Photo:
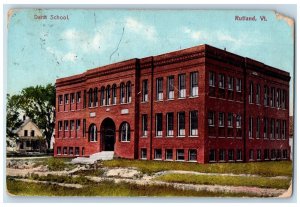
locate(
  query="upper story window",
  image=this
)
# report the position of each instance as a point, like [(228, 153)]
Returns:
[(107, 94), (66, 125), (122, 93), (230, 120), (222, 81), (251, 93), (170, 124), (277, 135), (95, 97), (257, 94), (250, 127), (181, 85), (145, 90), (265, 128), (125, 132), (194, 84), (266, 95), (128, 92), (78, 97), (83, 127), (284, 99), (93, 133), (238, 85), (90, 97), (238, 121), (72, 98), (258, 127), (102, 96), (211, 118), (66, 98), (78, 124), (212, 79), (193, 123), (144, 125), (158, 125), (159, 89), (170, 87), (114, 94), (84, 99), (59, 125), (181, 123), (278, 98), (272, 98), (60, 99), (230, 83), (221, 119), (72, 125), (283, 129), (25, 133)]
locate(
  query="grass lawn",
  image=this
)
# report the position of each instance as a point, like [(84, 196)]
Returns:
[(108, 188), (262, 182), (56, 164), (260, 168)]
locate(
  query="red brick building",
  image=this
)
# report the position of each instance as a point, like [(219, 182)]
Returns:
[(199, 104)]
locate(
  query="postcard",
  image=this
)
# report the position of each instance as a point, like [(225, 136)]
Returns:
[(168, 103)]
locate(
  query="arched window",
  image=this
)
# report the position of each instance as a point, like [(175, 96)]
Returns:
[(102, 98), (122, 93), (107, 95), (128, 92), (125, 132), (114, 94), (95, 97), (93, 133), (91, 97)]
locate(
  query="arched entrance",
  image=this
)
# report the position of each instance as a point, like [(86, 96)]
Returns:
[(108, 134)]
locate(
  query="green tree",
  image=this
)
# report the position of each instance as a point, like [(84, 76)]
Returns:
[(13, 121), (38, 103)]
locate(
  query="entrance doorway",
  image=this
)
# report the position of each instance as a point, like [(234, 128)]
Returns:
[(108, 134)]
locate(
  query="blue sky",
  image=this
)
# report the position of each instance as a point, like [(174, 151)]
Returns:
[(40, 51)]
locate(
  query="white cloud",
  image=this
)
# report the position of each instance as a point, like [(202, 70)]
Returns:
[(195, 35), (59, 56), (138, 27), (69, 57)]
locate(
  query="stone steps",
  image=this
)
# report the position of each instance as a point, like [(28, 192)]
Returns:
[(104, 155)]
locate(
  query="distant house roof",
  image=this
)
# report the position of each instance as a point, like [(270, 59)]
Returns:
[(291, 128), (24, 124)]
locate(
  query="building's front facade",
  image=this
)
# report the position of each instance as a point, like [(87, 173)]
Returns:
[(200, 104)]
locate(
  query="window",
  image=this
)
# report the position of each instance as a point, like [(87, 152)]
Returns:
[(158, 124), (277, 98), (59, 125), (283, 99), (266, 154), (211, 118), (192, 155), (159, 89), (170, 124), (284, 154), (143, 154), (70, 150), (273, 154), (122, 93), (212, 155), (171, 87), (93, 133), (66, 125), (25, 133), (83, 151), (211, 79), (60, 99), (180, 154), (66, 98), (78, 124), (221, 119), (239, 155), (181, 124), (65, 151), (251, 93), (251, 154), (272, 98), (194, 84), (238, 85), (145, 90), (230, 120), (95, 97), (58, 150), (283, 129), (77, 151), (107, 95), (72, 125), (222, 81), (102, 96), (238, 121), (277, 134), (181, 85), (72, 98), (266, 96), (265, 128), (90, 97), (169, 154), (250, 127), (272, 134), (258, 156), (257, 128), (128, 92), (144, 125), (114, 94), (222, 155), (125, 132), (157, 154), (231, 155), (278, 154), (84, 99), (78, 97), (193, 123), (84, 128), (257, 94), (230, 83)]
